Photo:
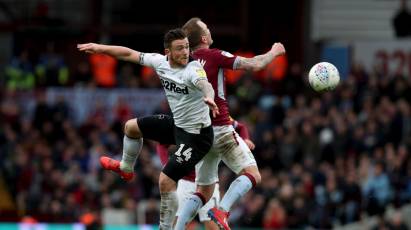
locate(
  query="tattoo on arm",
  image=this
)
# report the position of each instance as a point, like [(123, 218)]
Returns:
[(206, 88), (255, 63)]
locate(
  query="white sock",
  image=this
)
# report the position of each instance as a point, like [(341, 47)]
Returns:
[(237, 189), (131, 150), (168, 209), (188, 212)]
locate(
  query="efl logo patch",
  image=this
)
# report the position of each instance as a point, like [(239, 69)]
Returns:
[(201, 73)]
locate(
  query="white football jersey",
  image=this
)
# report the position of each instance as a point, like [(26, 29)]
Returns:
[(189, 110)]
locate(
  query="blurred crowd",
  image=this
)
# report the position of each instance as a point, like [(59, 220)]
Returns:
[(326, 159), (33, 70)]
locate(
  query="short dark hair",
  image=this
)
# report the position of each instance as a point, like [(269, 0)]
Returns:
[(172, 35), (193, 31)]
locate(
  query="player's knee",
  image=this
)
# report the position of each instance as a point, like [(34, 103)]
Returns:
[(257, 177), (166, 184), (131, 129), (252, 171), (206, 190)]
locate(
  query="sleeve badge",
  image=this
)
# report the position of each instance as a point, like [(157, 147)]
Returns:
[(201, 73)]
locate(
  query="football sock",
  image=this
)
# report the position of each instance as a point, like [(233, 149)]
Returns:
[(131, 150), (237, 189), (189, 210), (168, 209)]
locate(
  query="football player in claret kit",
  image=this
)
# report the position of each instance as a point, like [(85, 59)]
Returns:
[(190, 96), (228, 146)]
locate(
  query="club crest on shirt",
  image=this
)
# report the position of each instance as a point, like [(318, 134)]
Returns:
[(202, 62), (201, 73), (227, 54)]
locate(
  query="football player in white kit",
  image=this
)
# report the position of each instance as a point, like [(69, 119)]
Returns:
[(190, 96), (186, 186)]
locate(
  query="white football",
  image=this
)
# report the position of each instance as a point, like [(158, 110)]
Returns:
[(323, 76)]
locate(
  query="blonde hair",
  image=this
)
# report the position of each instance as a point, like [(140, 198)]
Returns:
[(194, 32)]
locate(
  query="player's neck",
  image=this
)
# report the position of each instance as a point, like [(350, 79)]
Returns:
[(174, 65), (201, 46)]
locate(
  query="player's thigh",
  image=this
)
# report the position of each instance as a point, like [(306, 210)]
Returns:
[(207, 168), (185, 189), (239, 156), (157, 128), (190, 149), (213, 202)]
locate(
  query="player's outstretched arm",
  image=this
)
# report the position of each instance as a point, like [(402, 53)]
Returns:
[(208, 92), (259, 62), (118, 52)]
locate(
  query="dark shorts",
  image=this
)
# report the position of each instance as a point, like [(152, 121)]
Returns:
[(190, 148), (158, 128)]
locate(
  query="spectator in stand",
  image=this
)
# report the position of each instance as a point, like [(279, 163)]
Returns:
[(377, 190), (275, 216), (351, 199), (82, 75), (103, 68), (402, 21), (51, 69), (127, 77), (122, 111), (396, 222), (20, 73)]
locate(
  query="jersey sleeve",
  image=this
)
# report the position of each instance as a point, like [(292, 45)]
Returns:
[(196, 72), (241, 129), (152, 60), (225, 59)]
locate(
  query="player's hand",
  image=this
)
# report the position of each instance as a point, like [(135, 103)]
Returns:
[(90, 48), (212, 105), (250, 144), (278, 49)]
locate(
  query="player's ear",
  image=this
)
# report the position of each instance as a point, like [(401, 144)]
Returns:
[(167, 51), (204, 39)]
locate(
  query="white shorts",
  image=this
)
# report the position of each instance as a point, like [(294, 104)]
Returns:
[(231, 149), (187, 188)]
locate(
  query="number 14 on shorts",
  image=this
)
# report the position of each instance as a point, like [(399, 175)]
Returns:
[(186, 154)]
